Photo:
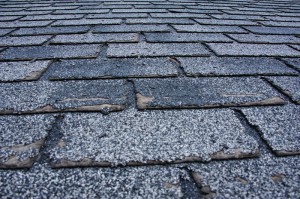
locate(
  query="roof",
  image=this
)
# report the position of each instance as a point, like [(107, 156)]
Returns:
[(150, 99)]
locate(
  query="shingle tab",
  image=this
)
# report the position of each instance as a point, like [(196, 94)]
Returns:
[(44, 96), (21, 139), (229, 66), (186, 37), (44, 52), (279, 127), (131, 28), (51, 17), (225, 22), (113, 68), (23, 41), (137, 138), (204, 93), (51, 30), (138, 10), (288, 85), (268, 39), (236, 49), (156, 50), (21, 24), (95, 38), (77, 22), (294, 62), (14, 71), (159, 21), (273, 30), (208, 28), (5, 31)]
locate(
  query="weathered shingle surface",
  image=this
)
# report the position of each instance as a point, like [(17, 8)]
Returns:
[(163, 98)]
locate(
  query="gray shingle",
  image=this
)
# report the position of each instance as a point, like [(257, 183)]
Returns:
[(279, 127), (208, 28), (44, 96), (5, 31), (159, 21), (238, 17), (21, 139), (131, 28), (288, 85), (52, 17), (225, 22), (145, 182), (138, 10), (112, 68), (269, 39), (294, 62), (137, 138), (178, 15), (236, 49), (23, 41), (24, 13), (204, 92), (219, 66), (97, 11), (14, 71), (95, 38), (44, 52), (112, 16), (281, 23), (21, 24), (77, 22), (156, 50), (273, 30), (9, 18), (186, 37), (51, 30)]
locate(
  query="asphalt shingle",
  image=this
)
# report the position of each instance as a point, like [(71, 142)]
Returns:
[(156, 50), (236, 49), (47, 52), (16, 71), (279, 127), (154, 137), (21, 139), (204, 93), (288, 85), (229, 66), (113, 68), (39, 97)]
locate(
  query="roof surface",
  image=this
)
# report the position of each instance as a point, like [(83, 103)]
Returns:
[(150, 99)]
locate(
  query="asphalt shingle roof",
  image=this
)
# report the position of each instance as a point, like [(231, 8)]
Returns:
[(150, 99)]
